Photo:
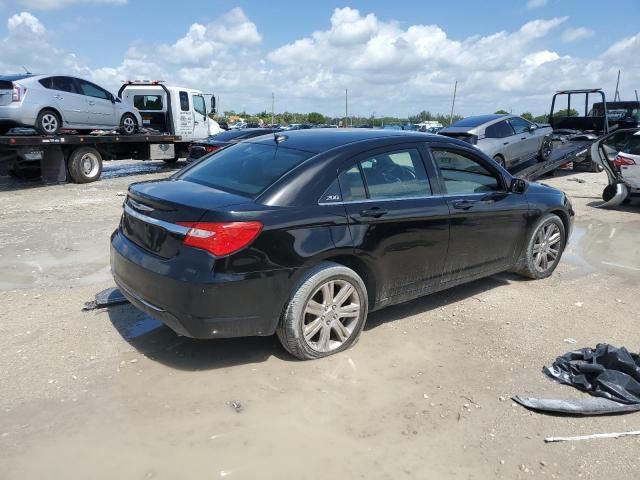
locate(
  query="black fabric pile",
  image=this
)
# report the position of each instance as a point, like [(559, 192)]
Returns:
[(604, 371)]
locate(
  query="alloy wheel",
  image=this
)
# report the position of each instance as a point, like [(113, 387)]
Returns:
[(546, 247), (129, 125), (331, 315), (49, 122)]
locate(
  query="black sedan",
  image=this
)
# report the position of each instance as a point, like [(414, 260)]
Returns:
[(224, 139), (303, 233)]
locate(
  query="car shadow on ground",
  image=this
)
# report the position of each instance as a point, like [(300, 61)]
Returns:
[(161, 344)]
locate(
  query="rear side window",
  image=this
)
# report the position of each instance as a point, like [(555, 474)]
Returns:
[(499, 130), (398, 174), (63, 84), (184, 101), (245, 168), (463, 174), (147, 102)]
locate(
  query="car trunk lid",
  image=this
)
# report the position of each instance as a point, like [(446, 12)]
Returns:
[(153, 210), (6, 92)]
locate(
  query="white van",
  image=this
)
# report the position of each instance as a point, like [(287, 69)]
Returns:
[(174, 110)]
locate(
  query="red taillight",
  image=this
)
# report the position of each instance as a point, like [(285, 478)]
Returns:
[(621, 161), (212, 148), (18, 92), (221, 238)]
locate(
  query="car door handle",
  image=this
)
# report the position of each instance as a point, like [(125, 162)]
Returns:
[(506, 143), (58, 97), (523, 138), (92, 103), (463, 204), (375, 212)]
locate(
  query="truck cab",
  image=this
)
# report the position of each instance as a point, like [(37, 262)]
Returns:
[(170, 109)]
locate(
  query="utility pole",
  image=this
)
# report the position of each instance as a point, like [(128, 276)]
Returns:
[(453, 102), (637, 96), (346, 107), (616, 96), (273, 102)]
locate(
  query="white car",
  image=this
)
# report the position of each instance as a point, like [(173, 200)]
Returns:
[(619, 155), (49, 103)]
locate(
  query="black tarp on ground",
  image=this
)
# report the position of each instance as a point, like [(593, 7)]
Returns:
[(605, 371)]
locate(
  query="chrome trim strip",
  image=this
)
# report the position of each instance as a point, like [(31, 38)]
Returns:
[(171, 227), (395, 199), (140, 299)]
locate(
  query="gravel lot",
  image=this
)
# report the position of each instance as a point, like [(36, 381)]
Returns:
[(108, 394)]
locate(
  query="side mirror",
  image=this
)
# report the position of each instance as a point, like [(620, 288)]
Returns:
[(518, 185), (533, 128), (113, 98), (213, 104)]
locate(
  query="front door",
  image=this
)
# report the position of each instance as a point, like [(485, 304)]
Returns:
[(200, 123), (488, 222), (396, 221), (102, 111), (185, 117)]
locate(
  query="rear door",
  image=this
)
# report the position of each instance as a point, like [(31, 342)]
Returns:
[(499, 139), (102, 111), (397, 220), (488, 222), (65, 95), (200, 124)]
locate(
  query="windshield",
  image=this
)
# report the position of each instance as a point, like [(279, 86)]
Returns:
[(245, 168)]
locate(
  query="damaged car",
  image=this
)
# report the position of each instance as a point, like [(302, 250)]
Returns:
[(619, 154), (303, 233)]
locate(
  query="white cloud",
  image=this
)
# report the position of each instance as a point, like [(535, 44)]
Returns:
[(55, 4), (388, 67), (26, 23), (574, 34), (531, 4)]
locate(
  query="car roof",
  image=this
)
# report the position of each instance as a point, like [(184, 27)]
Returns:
[(477, 120), (317, 140)]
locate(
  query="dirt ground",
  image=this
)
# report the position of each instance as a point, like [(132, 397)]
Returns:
[(425, 393)]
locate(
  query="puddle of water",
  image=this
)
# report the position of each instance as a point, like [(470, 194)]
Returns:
[(613, 248)]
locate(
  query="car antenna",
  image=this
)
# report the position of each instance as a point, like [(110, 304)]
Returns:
[(279, 138), (26, 71)]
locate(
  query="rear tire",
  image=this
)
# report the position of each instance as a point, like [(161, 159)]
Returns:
[(170, 161), (48, 122), (542, 250), (318, 321), (85, 165), (128, 124)]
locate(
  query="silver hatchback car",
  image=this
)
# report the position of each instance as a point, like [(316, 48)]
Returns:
[(508, 139), (49, 103)]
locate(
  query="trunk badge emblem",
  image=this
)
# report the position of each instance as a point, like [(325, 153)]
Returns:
[(140, 207)]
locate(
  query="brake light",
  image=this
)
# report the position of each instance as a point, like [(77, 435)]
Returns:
[(18, 92), (221, 239), (212, 148), (621, 161)]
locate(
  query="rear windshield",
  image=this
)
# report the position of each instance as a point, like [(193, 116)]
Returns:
[(147, 102), (245, 168), (228, 135), (474, 121), (633, 145), (14, 77)]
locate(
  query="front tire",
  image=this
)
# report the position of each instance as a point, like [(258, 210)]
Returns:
[(546, 149), (48, 122), (499, 159), (325, 314), (128, 124), (543, 248), (85, 165)]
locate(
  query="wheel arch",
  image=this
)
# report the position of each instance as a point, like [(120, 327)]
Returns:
[(54, 110), (364, 271)]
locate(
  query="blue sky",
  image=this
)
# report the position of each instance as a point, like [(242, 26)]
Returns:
[(405, 52)]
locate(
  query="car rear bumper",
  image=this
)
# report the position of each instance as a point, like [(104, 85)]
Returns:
[(211, 306), (15, 115)]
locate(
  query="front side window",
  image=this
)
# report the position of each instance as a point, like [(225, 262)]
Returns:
[(520, 125), (398, 174), (462, 174), (91, 90), (199, 105), (147, 102), (184, 101), (499, 130), (245, 168)]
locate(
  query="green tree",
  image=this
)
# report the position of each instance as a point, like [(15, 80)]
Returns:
[(566, 113), (315, 118), (527, 116), (502, 112), (544, 118)]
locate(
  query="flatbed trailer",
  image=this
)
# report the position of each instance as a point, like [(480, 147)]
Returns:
[(79, 158), (564, 152)]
